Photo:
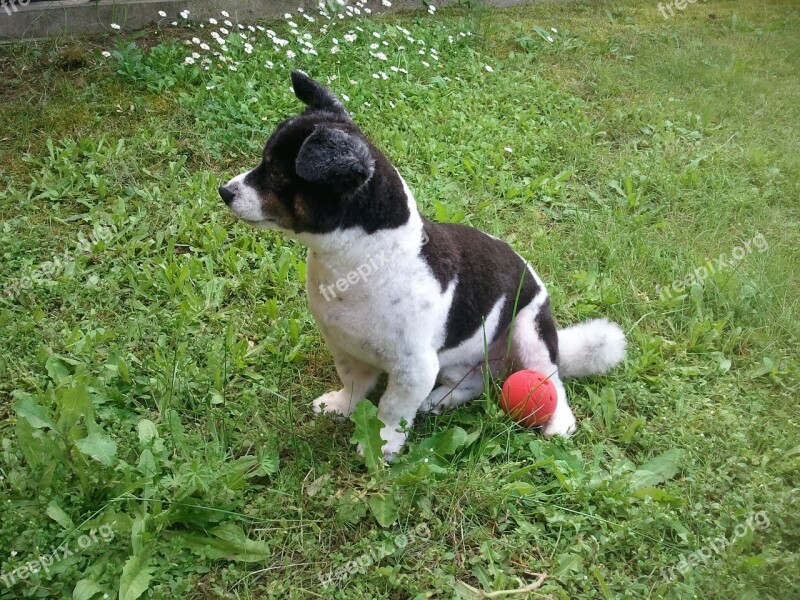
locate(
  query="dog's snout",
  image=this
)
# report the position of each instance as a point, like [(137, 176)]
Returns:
[(226, 194)]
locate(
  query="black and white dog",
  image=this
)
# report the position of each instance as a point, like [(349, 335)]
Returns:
[(428, 303)]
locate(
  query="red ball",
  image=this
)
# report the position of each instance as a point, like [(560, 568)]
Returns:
[(529, 397)]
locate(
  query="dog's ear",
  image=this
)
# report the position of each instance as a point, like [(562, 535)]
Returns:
[(334, 157), (313, 94)]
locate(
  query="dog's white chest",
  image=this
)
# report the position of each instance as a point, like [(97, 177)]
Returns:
[(374, 306)]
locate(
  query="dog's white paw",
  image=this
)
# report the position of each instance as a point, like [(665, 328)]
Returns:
[(395, 440), (335, 403), (562, 423)]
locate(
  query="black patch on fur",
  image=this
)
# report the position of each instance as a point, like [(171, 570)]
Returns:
[(548, 331), (487, 269), (318, 206), (313, 94), (334, 157)]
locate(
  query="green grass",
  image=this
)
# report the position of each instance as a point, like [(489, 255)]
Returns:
[(157, 358)]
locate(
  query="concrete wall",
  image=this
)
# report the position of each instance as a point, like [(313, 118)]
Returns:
[(33, 20)]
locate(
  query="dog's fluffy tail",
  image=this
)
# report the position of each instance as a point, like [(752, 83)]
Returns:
[(589, 348)]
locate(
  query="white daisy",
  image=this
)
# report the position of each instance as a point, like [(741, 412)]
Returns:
[(386, 3), (107, 54), (115, 26), (161, 13), (290, 54), (224, 14), (212, 21), (488, 68)]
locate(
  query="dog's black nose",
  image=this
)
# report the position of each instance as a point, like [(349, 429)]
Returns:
[(227, 195)]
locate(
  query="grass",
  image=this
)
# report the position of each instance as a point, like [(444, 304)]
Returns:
[(157, 359)]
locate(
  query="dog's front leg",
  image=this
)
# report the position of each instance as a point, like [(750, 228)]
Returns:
[(408, 386), (358, 379)]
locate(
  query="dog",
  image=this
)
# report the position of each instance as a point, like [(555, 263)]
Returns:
[(433, 305)]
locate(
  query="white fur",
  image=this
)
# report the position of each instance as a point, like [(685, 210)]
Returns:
[(247, 204), (393, 320), (590, 348)]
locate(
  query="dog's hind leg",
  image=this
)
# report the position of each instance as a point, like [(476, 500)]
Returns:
[(457, 385), (358, 379), (534, 345)]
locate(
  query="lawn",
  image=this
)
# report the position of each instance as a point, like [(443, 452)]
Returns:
[(158, 360)]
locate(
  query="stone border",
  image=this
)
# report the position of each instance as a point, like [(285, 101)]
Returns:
[(25, 20)]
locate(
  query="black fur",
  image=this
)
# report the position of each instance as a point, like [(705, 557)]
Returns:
[(313, 94), (487, 270), (320, 186), (333, 157), (548, 332)]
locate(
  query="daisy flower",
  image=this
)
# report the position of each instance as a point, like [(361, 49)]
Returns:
[(161, 13), (224, 14), (212, 21), (488, 68), (115, 26), (106, 53)]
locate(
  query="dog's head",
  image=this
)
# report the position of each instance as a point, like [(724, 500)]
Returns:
[(313, 168)]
